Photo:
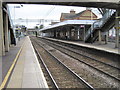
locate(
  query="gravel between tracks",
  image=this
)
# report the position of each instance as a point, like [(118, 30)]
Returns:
[(63, 78), (90, 75), (96, 79)]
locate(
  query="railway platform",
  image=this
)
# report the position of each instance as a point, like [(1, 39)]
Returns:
[(25, 71), (110, 48), (9, 57)]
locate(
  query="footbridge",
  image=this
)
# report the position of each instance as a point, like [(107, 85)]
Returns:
[(84, 3)]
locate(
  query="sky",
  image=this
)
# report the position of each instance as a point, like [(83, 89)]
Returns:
[(51, 12)]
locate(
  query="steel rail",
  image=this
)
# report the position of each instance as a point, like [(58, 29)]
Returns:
[(45, 66), (90, 65), (83, 55), (77, 76)]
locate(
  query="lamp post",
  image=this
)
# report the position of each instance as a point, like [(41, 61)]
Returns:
[(14, 13), (15, 20)]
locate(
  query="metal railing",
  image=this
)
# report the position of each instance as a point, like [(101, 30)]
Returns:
[(99, 23)]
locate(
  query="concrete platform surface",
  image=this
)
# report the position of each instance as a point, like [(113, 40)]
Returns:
[(27, 72), (9, 57), (110, 47)]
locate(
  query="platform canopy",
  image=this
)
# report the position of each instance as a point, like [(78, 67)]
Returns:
[(69, 22), (84, 3)]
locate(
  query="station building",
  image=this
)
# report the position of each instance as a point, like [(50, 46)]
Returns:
[(84, 26), (72, 26), (84, 15), (69, 29)]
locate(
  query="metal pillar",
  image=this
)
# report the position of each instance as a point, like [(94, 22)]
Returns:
[(70, 33), (117, 30), (76, 34), (42, 34), (1, 41), (2, 50), (106, 37), (84, 34), (99, 37), (6, 32)]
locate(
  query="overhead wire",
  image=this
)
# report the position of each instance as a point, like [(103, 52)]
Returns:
[(49, 11)]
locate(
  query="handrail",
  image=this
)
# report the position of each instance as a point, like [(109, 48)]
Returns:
[(99, 24)]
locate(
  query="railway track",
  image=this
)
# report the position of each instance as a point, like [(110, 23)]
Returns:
[(101, 57), (107, 69), (61, 75)]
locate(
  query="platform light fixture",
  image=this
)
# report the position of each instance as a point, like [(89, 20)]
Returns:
[(15, 18), (14, 12)]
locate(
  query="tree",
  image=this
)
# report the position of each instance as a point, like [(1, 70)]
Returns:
[(23, 27), (41, 26), (36, 27)]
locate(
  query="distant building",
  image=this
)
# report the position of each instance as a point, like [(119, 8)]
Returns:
[(84, 15), (52, 23), (31, 31)]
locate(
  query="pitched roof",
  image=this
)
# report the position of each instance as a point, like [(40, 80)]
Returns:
[(69, 22), (73, 15), (65, 15)]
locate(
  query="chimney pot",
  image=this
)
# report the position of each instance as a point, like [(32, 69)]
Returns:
[(72, 11)]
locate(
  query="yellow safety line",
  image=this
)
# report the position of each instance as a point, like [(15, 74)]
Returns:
[(11, 68)]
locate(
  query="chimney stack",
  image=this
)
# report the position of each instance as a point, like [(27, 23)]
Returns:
[(72, 11)]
